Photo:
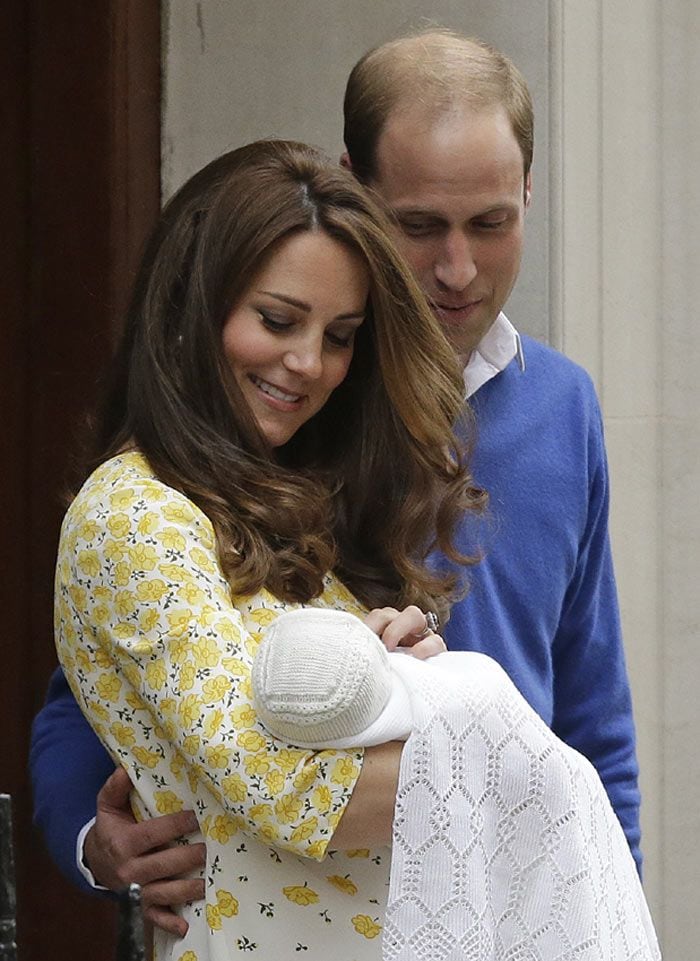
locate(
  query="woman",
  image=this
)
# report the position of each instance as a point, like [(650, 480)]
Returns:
[(278, 433), (277, 437)]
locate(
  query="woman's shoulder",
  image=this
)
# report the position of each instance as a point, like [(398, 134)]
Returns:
[(126, 484), (128, 467)]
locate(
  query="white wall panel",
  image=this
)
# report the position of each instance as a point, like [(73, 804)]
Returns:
[(678, 128), (237, 70), (629, 280)]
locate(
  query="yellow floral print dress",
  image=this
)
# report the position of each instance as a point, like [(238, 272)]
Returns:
[(158, 653)]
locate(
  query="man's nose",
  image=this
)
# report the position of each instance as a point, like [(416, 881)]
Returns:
[(455, 267)]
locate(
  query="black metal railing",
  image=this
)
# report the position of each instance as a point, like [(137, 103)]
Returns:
[(8, 890), (130, 936), (130, 930)]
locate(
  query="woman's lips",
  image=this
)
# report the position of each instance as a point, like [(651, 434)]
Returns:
[(284, 400)]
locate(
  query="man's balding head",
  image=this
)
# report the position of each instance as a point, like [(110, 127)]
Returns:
[(434, 71)]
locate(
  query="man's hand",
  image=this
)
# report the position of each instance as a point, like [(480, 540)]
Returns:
[(406, 629), (119, 852)]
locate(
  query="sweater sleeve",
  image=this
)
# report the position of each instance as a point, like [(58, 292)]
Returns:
[(159, 655), (68, 767), (592, 701)]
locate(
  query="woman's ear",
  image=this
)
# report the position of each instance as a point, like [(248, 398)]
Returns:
[(345, 161)]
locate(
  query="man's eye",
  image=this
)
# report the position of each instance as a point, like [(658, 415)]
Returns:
[(490, 224), (417, 228)]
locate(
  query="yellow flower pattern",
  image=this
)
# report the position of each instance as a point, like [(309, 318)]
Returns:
[(148, 758), (300, 894), (364, 925), (224, 827), (108, 687), (322, 799), (167, 802), (212, 722), (123, 734), (342, 884), (344, 772), (158, 652), (227, 904)]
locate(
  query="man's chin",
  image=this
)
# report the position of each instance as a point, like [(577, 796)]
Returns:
[(465, 334)]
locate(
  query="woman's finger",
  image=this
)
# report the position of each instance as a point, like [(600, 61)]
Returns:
[(379, 618), (406, 629), (429, 646)]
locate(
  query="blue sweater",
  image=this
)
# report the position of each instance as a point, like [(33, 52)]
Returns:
[(542, 603)]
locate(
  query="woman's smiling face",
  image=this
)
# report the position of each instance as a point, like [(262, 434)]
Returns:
[(289, 340)]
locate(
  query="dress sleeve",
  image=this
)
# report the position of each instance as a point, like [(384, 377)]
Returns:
[(160, 657)]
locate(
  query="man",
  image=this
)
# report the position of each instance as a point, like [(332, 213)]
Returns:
[(441, 127)]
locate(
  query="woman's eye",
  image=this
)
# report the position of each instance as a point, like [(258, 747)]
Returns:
[(340, 340), (276, 326)]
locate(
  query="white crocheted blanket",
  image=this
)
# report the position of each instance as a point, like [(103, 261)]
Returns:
[(505, 845)]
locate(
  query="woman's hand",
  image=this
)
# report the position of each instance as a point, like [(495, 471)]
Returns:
[(405, 629)]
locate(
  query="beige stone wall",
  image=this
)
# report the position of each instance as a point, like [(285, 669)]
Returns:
[(237, 70), (628, 209)]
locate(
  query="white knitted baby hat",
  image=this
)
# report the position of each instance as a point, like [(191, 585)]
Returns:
[(319, 676)]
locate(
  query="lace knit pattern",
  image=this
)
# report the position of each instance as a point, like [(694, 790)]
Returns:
[(505, 846)]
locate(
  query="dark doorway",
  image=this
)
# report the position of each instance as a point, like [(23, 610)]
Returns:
[(80, 171)]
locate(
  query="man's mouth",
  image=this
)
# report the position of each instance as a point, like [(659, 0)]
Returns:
[(455, 313)]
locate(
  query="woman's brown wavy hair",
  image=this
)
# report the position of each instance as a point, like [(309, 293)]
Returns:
[(370, 484)]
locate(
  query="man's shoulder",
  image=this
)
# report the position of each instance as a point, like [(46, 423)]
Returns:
[(551, 370), (548, 394), (544, 356)]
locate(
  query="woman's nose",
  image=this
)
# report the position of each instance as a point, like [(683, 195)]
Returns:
[(305, 359)]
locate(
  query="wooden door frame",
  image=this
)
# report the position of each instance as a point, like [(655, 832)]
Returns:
[(80, 181)]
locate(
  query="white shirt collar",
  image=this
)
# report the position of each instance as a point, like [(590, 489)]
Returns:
[(496, 349)]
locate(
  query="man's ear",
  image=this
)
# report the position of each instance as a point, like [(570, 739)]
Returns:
[(345, 161), (528, 189)]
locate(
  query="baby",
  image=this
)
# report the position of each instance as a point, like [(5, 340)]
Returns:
[(322, 678), (505, 843)]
